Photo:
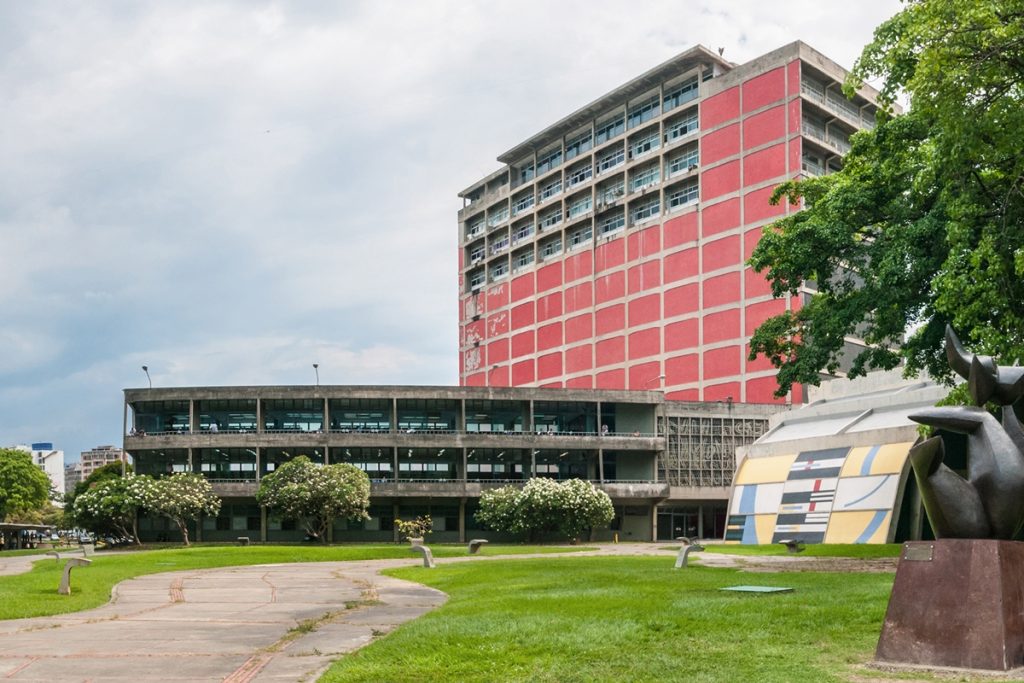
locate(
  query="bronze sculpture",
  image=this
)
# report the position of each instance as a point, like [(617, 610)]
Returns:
[(989, 503)]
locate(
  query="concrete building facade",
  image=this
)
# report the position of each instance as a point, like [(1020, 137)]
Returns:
[(50, 461), (608, 251), (432, 450)]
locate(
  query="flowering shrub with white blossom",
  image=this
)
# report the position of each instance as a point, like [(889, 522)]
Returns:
[(569, 507), (112, 506), (315, 495), (181, 498)]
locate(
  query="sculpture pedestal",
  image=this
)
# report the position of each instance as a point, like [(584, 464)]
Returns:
[(956, 603)]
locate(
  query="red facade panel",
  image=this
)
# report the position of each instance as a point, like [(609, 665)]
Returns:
[(610, 287), (610, 319), (765, 165), (522, 344), (764, 89), (549, 336), (764, 127), (549, 365), (645, 377), (497, 324), (722, 392), (549, 306), (721, 253), (757, 207), (682, 265), (680, 230), (523, 373), (720, 180), (754, 285), (723, 107), (497, 351), (722, 289), (681, 300), (585, 382), (498, 377), (682, 335), (522, 287), (721, 326), (580, 265), (475, 331), (796, 157), (682, 369), (578, 328), (795, 117), (549, 277), (760, 364), (724, 362), (758, 313), (611, 379), (646, 242), (645, 343), (750, 240), (522, 315), (644, 276), (762, 390), (794, 77), (477, 380), (579, 358), (644, 310), (721, 217), (683, 395), (610, 255), (610, 351), (720, 144), (497, 296), (579, 297)]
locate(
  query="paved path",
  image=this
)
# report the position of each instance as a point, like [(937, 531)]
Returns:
[(238, 624)]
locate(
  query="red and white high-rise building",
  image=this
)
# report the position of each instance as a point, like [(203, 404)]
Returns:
[(609, 250)]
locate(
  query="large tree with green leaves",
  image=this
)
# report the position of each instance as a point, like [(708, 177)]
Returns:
[(924, 225), (569, 507), (182, 498), (316, 495), (23, 486), (112, 506)]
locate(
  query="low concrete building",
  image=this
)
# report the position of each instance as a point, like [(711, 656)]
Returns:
[(836, 470), (432, 450)]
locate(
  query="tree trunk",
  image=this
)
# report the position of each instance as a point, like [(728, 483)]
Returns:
[(183, 526)]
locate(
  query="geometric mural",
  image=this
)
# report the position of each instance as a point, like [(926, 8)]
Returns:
[(834, 495)]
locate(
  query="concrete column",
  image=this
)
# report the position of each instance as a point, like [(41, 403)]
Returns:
[(528, 417), (327, 421), (394, 514), (394, 459), (600, 464), (258, 449), (191, 460), (124, 432), (394, 418), (654, 522), (700, 521), (263, 524), (465, 465), (461, 423), (462, 520), (259, 415), (533, 463)]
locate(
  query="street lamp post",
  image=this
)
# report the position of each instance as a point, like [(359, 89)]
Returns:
[(316, 369), (145, 369)]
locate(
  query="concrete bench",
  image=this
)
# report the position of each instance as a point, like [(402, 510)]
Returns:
[(59, 555), (65, 579), (88, 548), (428, 557), (474, 545), (792, 545), (685, 540), (243, 540), (684, 553)]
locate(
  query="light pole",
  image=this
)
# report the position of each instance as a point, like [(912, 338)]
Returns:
[(316, 369), (654, 379), (145, 369)]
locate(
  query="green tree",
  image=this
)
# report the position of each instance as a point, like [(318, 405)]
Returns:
[(316, 495), (544, 505), (924, 225), (112, 470), (112, 506), (181, 498), (23, 486)]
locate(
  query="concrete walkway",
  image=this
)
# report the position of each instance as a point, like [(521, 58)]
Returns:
[(283, 622)]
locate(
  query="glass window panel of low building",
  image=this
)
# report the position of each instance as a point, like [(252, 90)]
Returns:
[(272, 458), (686, 159), (611, 190), (645, 177), (579, 206), (474, 227), (551, 188), (580, 174), (683, 195), (644, 143), (522, 259), (549, 218), (522, 203), (567, 464), (500, 243), (428, 463), (609, 129), (682, 126), (428, 415), (477, 279), (228, 415), (497, 215), (229, 464), (378, 463), (155, 417), (611, 158), (494, 416), (293, 415), (497, 464), (574, 417), (681, 93), (613, 222), (477, 253), (580, 236), (645, 210), (160, 463), (645, 110), (578, 144), (522, 231), (550, 248), (499, 271), (527, 171), (549, 160)]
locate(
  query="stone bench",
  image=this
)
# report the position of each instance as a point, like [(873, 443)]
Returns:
[(792, 545), (59, 555), (428, 557), (475, 544), (684, 553), (65, 579), (685, 540)]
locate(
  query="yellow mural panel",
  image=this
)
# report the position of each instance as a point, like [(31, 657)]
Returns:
[(860, 526), (765, 470), (764, 526), (868, 460)]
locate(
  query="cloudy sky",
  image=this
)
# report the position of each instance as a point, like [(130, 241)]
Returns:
[(228, 192)]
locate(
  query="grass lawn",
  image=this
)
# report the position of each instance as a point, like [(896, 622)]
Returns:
[(34, 593), (860, 550), (627, 619)]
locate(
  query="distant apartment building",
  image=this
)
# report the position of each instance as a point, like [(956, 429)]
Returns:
[(609, 250), (89, 462), (50, 461), (72, 476)]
